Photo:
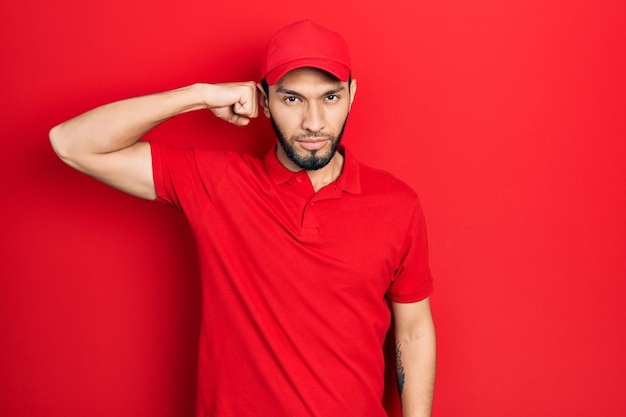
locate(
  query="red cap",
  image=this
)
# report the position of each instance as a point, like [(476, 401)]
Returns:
[(305, 44)]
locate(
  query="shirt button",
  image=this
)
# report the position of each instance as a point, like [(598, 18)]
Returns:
[(299, 179), (311, 205)]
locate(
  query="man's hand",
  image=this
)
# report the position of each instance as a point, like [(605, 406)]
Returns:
[(236, 103)]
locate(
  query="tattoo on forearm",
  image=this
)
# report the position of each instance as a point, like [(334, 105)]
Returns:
[(399, 368)]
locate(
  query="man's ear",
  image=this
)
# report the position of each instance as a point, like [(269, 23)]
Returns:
[(352, 91), (264, 100)]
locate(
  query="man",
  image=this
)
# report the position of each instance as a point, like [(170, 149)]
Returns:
[(305, 254)]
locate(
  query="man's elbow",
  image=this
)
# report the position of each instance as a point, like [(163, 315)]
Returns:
[(59, 143), (55, 140)]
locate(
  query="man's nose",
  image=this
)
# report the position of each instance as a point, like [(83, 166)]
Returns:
[(313, 120)]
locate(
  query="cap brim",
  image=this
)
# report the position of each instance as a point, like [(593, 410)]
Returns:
[(337, 69)]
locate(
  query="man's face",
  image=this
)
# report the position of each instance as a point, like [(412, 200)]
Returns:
[(308, 109)]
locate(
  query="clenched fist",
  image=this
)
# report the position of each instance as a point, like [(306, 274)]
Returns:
[(236, 103)]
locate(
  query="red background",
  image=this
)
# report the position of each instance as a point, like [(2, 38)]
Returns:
[(508, 118)]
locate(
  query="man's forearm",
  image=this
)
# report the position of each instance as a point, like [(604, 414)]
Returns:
[(415, 356), (118, 125), (415, 369)]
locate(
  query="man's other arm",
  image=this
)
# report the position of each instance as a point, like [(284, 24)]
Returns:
[(105, 142), (415, 356)]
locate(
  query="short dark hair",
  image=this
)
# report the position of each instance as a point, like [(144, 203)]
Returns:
[(266, 86)]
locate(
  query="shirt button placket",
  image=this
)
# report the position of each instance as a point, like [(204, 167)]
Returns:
[(309, 225)]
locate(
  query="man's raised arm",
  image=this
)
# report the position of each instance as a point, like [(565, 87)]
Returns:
[(104, 142)]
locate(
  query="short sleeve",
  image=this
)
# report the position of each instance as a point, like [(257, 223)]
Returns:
[(186, 177), (412, 279)]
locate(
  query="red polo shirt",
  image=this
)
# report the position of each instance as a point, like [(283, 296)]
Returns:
[(295, 283)]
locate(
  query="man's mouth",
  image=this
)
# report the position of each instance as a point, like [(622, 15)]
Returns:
[(312, 144)]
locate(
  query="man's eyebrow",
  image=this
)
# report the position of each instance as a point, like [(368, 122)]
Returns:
[(335, 91), (289, 92)]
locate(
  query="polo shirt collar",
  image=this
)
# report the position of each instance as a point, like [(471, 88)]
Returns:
[(349, 179)]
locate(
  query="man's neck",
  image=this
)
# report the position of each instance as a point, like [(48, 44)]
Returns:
[(324, 176)]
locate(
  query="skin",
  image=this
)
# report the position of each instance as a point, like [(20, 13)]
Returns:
[(309, 108)]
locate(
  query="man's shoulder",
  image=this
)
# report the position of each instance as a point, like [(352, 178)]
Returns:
[(203, 155), (382, 181)]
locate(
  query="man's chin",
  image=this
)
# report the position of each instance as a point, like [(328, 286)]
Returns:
[(311, 161), (307, 159)]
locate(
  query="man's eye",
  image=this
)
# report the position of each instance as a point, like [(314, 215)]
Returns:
[(332, 97), (291, 99)]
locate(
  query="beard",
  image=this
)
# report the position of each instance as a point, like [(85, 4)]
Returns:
[(312, 160)]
